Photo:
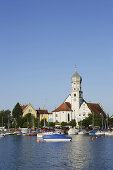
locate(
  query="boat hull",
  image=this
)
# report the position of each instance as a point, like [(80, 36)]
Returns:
[(56, 138), (100, 133)]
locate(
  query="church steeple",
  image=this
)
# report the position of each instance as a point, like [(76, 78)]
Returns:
[(76, 77), (76, 93)]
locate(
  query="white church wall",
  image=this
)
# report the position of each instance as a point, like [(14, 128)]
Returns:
[(62, 116), (83, 112), (68, 99)]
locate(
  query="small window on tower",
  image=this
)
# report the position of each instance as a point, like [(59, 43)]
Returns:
[(74, 95)]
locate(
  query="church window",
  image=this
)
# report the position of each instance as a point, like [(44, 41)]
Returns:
[(74, 95), (68, 117), (84, 114)]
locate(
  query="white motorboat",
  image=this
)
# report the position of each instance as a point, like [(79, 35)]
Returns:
[(40, 135), (100, 133), (109, 133), (73, 131), (82, 132), (2, 135)]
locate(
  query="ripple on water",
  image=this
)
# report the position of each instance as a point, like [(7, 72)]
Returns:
[(24, 153)]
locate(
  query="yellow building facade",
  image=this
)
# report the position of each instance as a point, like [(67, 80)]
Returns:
[(29, 109), (43, 114)]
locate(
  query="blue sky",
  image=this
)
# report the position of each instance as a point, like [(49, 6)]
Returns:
[(41, 41)]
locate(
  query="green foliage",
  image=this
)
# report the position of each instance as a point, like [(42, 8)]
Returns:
[(17, 115), (57, 123), (64, 124), (72, 123), (29, 121), (42, 123), (89, 120), (110, 120), (51, 124), (5, 118), (25, 125)]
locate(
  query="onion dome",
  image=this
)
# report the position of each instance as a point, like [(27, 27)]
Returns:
[(76, 77)]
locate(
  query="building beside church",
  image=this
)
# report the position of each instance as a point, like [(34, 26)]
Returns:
[(43, 114), (74, 106), (28, 109)]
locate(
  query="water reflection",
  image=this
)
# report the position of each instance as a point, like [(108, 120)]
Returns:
[(24, 153)]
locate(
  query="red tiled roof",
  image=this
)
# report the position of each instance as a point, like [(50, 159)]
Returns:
[(95, 108), (64, 107), (24, 106), (42, 111)]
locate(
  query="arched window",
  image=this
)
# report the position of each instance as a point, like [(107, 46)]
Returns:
[(68, 117)]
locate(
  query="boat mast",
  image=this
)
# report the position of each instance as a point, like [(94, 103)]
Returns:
[(44, 119), (93, 120)]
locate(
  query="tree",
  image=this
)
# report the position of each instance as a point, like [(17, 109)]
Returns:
[(5, 118), (42, 123), (97, 119), (51, 124), (64, 124), (72, 123), (29, 121), (110, 122), (17, 115)]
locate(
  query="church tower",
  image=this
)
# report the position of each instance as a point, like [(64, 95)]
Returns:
[(76, 94)]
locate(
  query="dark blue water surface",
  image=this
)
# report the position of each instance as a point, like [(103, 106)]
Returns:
[(24, 153)]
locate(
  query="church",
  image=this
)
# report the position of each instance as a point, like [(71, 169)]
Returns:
[(74, 106)]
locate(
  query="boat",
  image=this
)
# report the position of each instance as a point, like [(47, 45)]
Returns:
[(56, 138), (40, 135), (32, 134), (100, 133), (92, 132), (73, 131), (109, 133), (82, 132), (2, 135)]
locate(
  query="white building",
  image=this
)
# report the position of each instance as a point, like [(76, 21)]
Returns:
[(75, 107)]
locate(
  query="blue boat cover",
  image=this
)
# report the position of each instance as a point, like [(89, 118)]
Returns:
[(93, 131), (56, 136)]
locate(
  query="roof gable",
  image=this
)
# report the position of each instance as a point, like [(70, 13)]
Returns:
[(95, 108), (63, 107), (23, 107)]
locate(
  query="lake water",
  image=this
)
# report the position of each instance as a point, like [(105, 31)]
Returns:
[(24, 153)]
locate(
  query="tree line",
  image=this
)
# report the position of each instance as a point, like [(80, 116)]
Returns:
[(16, 120)]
